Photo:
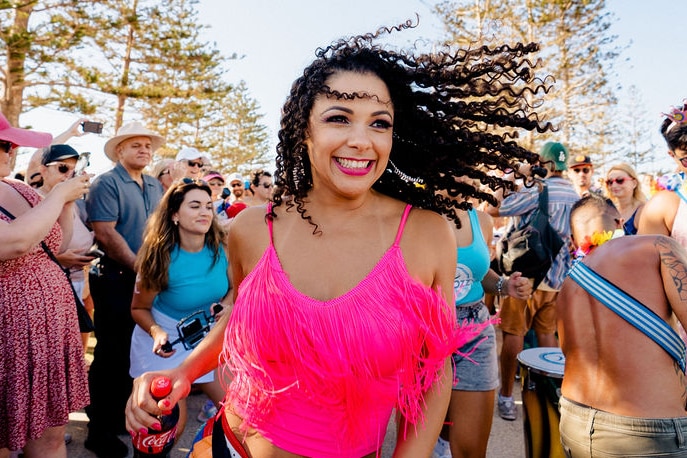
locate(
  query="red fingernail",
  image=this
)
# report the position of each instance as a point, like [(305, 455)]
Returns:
[(132, 433), (166, 403), (157, 426), (143, 430)]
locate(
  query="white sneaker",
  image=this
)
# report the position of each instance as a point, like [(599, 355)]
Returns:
[(507, 408), (442, 449)]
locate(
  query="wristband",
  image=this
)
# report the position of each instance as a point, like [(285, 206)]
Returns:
[(499, 286)]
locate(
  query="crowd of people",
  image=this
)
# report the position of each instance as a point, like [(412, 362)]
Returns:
[(353, 282)]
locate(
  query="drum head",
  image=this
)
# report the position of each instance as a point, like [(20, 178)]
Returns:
[(547, 361)]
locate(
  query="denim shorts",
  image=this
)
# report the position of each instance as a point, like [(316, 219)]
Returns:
[(588, 432), (477, 371)]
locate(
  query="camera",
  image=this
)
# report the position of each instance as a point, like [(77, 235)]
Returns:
[(93, 127), (225, 193)]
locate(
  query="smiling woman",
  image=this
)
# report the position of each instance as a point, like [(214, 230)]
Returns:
[(343, 305), (181, 270)]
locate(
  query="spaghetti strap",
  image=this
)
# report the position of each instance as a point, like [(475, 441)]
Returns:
[(402, 225), (269, 220)]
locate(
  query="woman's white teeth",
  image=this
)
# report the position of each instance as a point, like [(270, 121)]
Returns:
[(351, 164)]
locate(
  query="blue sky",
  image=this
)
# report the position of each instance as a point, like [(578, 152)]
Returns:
[(278, 39)]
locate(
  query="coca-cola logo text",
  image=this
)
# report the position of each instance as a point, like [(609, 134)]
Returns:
[(154, 443)]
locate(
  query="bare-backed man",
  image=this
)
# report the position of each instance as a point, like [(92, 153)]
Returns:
[(623, 394)]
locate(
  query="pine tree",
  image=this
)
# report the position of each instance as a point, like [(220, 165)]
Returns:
[(576, 50)]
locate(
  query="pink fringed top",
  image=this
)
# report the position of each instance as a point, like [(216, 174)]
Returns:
[(321, 378)]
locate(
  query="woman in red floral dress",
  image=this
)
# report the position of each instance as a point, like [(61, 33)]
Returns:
[(42, 371)]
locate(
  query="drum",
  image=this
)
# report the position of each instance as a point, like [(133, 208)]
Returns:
[(541, 390)]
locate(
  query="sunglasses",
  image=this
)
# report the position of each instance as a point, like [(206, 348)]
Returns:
[(6, 146), (61, 167), (164, 172), (617, 181), (237, 185), (582, 169), (197, 181), (195, 164)]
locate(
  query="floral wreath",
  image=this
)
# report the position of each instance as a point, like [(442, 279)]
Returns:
[(596, 239)]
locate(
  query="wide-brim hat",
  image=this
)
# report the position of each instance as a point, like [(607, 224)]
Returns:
[(130, 130), (23, 137)]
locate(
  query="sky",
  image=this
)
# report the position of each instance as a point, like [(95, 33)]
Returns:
[(276, 39)]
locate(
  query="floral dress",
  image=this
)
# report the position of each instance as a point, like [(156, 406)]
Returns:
[(42, 369)]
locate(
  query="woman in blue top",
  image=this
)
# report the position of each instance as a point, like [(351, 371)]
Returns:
[(471, 407), (182, 268)]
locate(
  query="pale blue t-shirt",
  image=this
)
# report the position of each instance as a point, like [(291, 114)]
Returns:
[(195, 283)]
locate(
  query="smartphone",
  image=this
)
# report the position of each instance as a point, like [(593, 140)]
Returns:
[(95, 253), (81, 163), (94, 127)]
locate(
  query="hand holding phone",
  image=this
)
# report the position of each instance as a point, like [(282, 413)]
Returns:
[(81, 163), (94, 127), (95, 253)]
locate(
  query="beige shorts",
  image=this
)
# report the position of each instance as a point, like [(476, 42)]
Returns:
[(538, 313)]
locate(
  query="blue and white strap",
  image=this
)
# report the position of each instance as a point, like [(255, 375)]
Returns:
[(631, 310)]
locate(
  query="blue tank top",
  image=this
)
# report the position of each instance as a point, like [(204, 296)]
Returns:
[(194, 282), (473, 265)]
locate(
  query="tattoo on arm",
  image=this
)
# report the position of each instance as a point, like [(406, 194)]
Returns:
[(673, 257)]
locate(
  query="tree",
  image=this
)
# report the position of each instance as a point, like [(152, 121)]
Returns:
[(37, 37), (140, 59), (576, 50)]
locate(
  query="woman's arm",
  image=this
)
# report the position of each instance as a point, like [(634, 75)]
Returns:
[(437, 253), (141, 306), (29, 228)]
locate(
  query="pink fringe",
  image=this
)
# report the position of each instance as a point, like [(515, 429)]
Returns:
[(337, 351)]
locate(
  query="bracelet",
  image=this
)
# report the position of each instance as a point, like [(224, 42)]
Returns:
[(499, 286)]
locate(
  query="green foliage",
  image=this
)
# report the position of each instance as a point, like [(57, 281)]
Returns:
[(577, 51), (129, 59)]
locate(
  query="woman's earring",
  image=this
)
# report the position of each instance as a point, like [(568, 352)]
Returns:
[(176, 222)]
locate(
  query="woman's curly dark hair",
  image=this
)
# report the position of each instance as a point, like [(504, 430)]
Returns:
[(456, 114)]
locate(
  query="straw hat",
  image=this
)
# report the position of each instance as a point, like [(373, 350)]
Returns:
[(132, 129), (22, 137)]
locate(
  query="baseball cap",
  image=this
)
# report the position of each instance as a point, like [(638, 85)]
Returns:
[(555, 152), (188, 154), (235, 177), (580, 159), (58, 153)]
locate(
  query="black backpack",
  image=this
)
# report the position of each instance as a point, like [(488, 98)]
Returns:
[(531, 249)]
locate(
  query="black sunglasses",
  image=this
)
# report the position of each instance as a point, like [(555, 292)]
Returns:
[(6, 146), (620, 180), (197, 181), (581, 169), (61, 167), (195, 164)]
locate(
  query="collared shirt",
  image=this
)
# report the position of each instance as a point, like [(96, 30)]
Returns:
[(562, 196), (115, 196)]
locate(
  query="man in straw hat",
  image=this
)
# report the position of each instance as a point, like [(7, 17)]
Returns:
[(119, 204)]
